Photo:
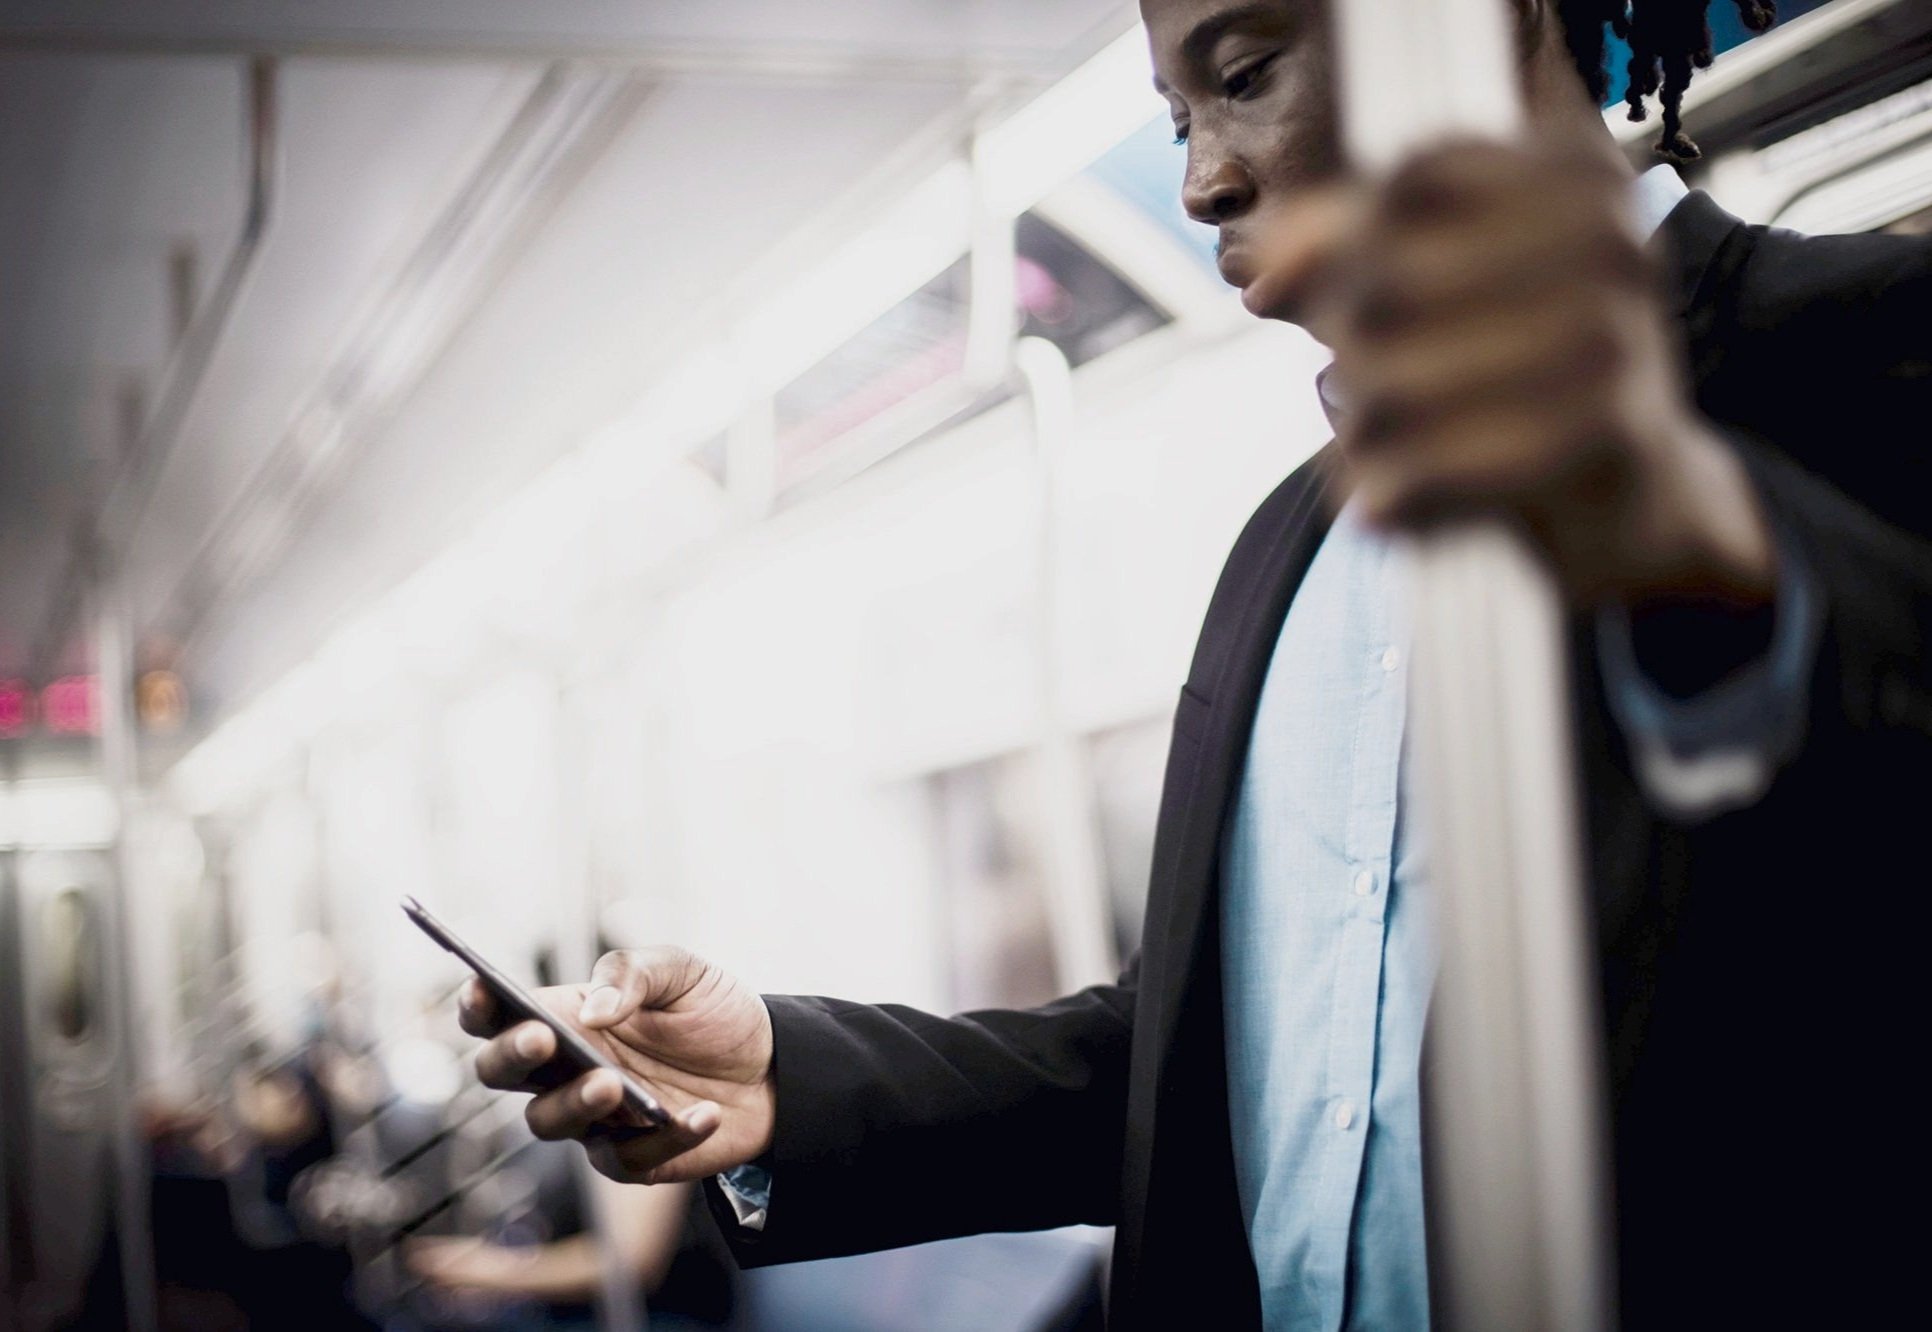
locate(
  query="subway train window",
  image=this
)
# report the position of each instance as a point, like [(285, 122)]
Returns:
[(1169, 664), (899, 378), (910, 355), (1072, 298), (996, 915)]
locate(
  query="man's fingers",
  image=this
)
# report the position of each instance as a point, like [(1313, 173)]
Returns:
[(1417, 280), (508, 1059), (476, 1009), (1491, 460), (583, 1109), (1473, 179), (634, 978), (662, 1156), (570, 1111), (1547, 353)]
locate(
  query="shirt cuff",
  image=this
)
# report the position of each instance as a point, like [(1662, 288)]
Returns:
[(1718, 749), (748, 1189)]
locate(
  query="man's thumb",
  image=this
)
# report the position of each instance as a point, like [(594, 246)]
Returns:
[(601, 1005), (629, 979)]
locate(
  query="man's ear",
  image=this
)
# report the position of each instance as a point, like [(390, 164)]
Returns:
[(1533, 18)]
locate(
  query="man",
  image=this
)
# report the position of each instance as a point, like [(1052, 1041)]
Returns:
[(1720, 455)]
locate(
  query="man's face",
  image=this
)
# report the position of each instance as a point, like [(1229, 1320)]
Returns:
[(1250, 86)]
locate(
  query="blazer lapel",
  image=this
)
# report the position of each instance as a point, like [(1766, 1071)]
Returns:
[(1237, 642)]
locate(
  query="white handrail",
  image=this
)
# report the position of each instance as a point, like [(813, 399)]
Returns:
[(1517, 1171)]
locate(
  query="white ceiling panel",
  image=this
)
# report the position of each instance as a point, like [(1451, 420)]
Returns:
[(1025, 34), (370, 152), (705, 182), (105, 164), (122, 139)]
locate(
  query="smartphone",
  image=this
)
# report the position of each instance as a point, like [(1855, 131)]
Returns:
[(573, 1050)]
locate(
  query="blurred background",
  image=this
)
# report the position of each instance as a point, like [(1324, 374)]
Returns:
[(743, 474)]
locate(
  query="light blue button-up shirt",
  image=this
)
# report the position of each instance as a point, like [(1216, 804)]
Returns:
[(1325, 935), (1326, 960)]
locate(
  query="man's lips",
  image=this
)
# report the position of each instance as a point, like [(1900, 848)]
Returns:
[(1258, 294), (1233, 262), (1238, 270), (1269, 290), (1283, 258)]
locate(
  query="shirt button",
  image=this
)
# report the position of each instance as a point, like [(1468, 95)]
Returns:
[(1364, 883), (1344, 1114), (1390, 659)]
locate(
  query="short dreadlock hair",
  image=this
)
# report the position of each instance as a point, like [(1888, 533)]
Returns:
[(1668, 38)]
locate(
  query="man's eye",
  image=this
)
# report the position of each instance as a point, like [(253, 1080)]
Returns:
[(1180, 136), (1244, 80)]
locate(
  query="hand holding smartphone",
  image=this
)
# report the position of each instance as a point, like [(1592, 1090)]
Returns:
[(518, 1004)]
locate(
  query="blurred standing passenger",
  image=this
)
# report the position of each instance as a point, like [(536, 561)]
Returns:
[(1716, 442)]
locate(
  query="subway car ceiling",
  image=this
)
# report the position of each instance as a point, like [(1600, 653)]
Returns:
[(263, 335), (436, 207)]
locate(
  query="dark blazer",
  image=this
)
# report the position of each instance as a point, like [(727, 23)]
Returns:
[(1763, 970)]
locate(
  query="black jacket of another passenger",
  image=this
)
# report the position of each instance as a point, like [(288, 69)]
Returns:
[(1763, 971)]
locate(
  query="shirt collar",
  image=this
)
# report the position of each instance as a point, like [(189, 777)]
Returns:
[(1658, 191)]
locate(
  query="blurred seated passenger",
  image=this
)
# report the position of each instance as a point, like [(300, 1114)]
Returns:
[(228, 1252), (196, 1250), (291, 1277), (658, 1236)]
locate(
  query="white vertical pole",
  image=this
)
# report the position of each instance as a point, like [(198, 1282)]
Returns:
[(115, 689), (1076, 888), (1519, 1204)]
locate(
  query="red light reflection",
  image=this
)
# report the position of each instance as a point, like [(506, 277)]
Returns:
[(16, 708), (67, 706)]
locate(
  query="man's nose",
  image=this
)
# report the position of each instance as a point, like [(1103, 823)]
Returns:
[(1216, 192)]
